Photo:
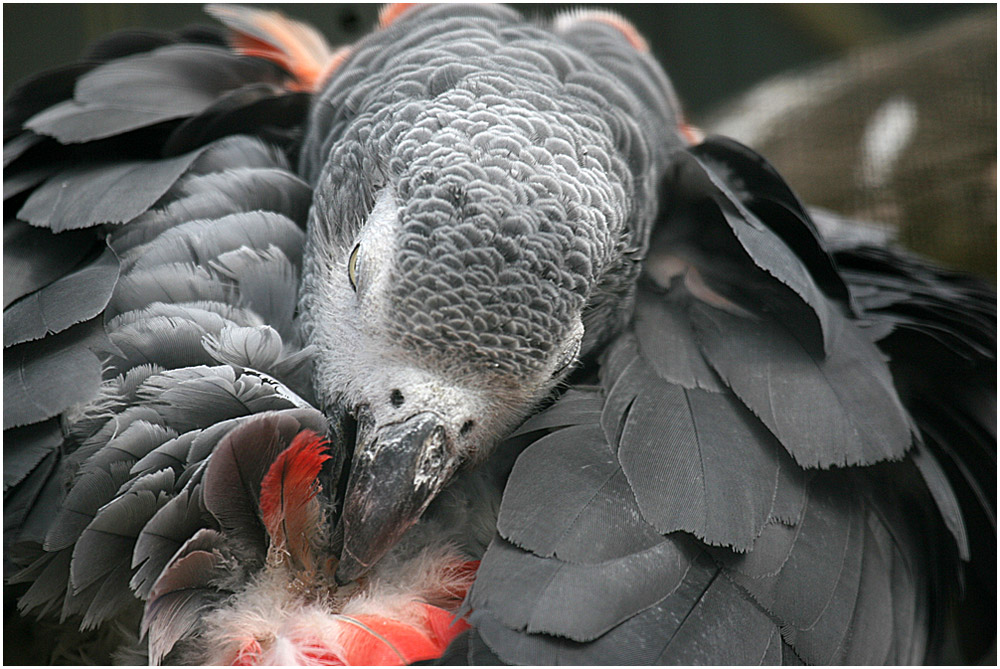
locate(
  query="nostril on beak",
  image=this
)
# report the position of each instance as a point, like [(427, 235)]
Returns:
[(396, 398)]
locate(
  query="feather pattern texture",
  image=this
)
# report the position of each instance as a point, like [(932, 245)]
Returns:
[(776, 447)]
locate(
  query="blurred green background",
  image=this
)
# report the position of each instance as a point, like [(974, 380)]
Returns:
[(714, 53)]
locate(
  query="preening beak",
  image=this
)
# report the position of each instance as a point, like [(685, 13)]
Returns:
[(397, 471)]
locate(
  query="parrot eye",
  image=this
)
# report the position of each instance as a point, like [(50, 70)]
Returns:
[(352, 267)]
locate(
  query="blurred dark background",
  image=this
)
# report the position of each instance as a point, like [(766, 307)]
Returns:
[(714, 54)]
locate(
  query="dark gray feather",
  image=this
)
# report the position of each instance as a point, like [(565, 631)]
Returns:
[(579, 405), (107, 542), (41, 379), (203, 396), (823, 556), (134, 441), (665, 338), (85, 498), (160, 538), (581, 602), (232, 481), (263, 188), (33, 258), (944, 496), (839, 410), (183, 592), (80, 197), (166, 342), (648, 637), (873, 627), (26, 447), (722, 627), (267, 111), (76, 297), (467, 650), (171, 454), (28, 97), (141, 90), (695, 460), (236, 151), (20, 503), (43, 509), (567, 497), (216, 194), (109, 427), (50, 583), (696, 181)]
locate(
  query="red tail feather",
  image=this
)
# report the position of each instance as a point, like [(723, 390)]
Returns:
[(288, 495)]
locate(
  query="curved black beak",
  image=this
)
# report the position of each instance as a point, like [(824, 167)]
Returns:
[(397, 471)]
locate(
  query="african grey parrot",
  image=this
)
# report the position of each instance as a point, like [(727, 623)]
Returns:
[(458, 340)]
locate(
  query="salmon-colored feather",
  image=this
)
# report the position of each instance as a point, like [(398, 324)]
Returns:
[(248, 655), (375, 640), (295, 46), (288, 502), (392, 11)]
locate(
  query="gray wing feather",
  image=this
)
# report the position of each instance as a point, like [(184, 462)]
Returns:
[(74, 298), (85, 196), (590, 516), (42, 379), (577, 406), (120, 487), (666, 339), (183, 591), (944, 496), (106, 543), (40, 491), (37, 441), (268, 284), (162, 341), (199, 241), (580, 602), (168, 283), (838, 409), (676, 445), (216, 194), (145, 89), (679, 625), (160, 538), (34, 258)]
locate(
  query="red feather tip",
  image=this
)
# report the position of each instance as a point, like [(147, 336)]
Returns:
[(288, 490)]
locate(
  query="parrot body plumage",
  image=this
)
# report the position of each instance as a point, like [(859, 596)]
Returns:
[(457, 342)]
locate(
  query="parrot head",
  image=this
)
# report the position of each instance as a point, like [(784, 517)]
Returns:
[(474, 231)]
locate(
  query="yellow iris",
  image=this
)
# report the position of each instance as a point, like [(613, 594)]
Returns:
[(352, 267)]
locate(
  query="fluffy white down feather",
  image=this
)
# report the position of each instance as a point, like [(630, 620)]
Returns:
[(289, 620)]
